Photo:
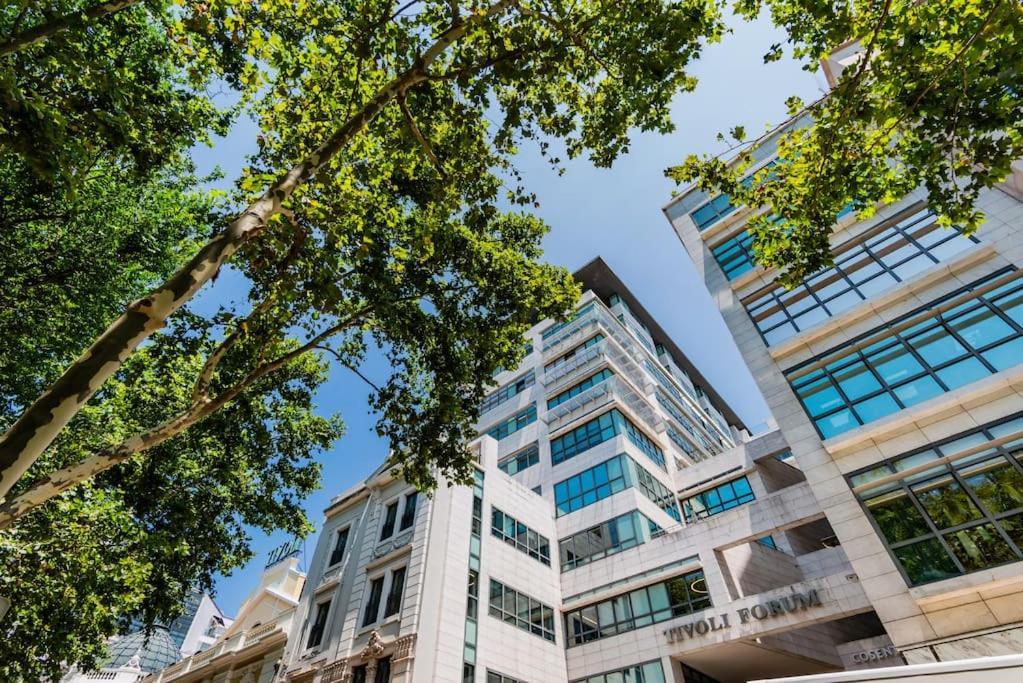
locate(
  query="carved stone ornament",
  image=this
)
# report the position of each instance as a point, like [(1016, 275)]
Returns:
[(374, 648)]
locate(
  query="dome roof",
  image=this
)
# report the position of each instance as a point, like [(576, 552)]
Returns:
[(155, 653)]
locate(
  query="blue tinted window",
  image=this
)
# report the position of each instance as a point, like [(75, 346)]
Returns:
[(714, 501), (944, 350), (579, 388), (713, 211), (599, 430), (608, 478), (514, 423), (735, 255), (881, 260), (516, 462)]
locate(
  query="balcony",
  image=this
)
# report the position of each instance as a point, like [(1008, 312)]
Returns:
[(609, 391), (576, 368)]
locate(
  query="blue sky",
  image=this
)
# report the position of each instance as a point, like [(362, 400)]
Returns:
[(614, 213)]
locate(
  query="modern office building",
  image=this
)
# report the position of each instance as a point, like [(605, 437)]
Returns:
[(896, 378), (623, 526)]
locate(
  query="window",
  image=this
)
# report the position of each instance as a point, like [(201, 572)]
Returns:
[(940, 519), (653, 604), (608, 478), (537, 489), (390, 516), (875, 263), (514, 423), (376, 589), (596, 339), (599, 430), (517, 534), (510, 390), (735, 255), (713, 211), (726, 496), (359, 674), (494, 677), (768, 542), (522, 611), (408, 513), (605, 539), (516, 462), (650, 672), (341, 542), (394, 594), (383, 674), (319, 624), (575, 390), (951, 342)]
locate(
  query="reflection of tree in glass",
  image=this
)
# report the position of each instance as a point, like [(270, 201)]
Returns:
[(946, 502), (999, 488)]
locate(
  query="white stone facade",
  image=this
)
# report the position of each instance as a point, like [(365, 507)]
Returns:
[(783, 598), (977, 610)]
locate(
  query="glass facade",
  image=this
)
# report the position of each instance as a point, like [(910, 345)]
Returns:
[(964, 337), (605, 539), (597, 431), (608, 478), (521, 419), (520, 536), (713, 211), (508, 391), (735, 255), (650, 672), (576, 389), (642, 607), (953, 508), (522, 611), (874, 263), (726, 496), (516, 462)]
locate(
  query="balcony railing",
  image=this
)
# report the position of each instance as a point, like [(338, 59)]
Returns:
[(576, 368), (599, 395)]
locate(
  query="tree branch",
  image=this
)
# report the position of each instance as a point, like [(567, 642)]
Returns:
[(38, 34), (67, 477), (41, 423), (420, 138), (343, 362)]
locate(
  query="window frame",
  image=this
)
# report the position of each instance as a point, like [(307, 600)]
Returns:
[(318, 627), (953, 467), (911, 224), (898, 337), (347, 531), (388, 521)]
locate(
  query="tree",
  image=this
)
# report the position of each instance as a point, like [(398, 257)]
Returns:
[(122, 81), (130, 543), (936, 100), (386, 229)]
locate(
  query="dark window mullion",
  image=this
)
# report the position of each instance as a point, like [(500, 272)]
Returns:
[(933, 527)]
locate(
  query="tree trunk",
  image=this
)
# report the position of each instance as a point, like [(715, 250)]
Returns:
[(40, 33)]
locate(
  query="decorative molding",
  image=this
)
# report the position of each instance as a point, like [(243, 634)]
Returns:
[(404, 648), (335, 672)]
